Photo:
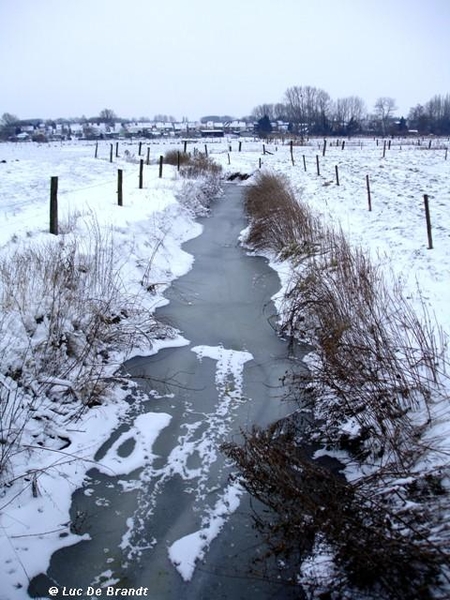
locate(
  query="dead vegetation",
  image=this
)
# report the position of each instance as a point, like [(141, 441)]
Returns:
[(64, 314), (374, 378), (192, 166), (176, 158), (375, 549), (201, 179)]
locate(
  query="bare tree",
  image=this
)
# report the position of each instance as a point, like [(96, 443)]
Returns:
[(8, 125), (438, 111), (384, 110), (161, 118), (280, 111), (8, 119), (295, 104), (349, 111), (419, 119), (308, 107), (432, 117), (264, 110), (322, 111), (107, 115)]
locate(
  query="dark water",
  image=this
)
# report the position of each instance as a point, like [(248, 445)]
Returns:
[(227, 378)]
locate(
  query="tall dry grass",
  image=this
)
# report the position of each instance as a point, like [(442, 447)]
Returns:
[(279, 223)]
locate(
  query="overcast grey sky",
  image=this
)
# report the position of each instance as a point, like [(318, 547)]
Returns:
[(66, 58)]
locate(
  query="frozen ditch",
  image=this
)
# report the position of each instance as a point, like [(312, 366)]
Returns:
[(158, 511)]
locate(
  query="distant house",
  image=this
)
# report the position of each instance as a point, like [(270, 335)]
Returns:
[(76, 129), (23, 137), (213, 133), (236, 127)]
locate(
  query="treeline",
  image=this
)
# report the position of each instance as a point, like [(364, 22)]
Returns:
[(433, 116), (311, 111)]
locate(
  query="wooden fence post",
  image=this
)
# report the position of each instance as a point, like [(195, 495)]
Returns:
[(384, 149), (117, 149), (206, 150), (304, 162), (161, 159), (185, 146), (96, 149), (317, 164), (54, 205), (292, 153), (229, 158), (260, 162), (343, 144), (141, 174), (148, 155), (178, 160), (240, 146), (428, 220), (111, 150), (120, 187), (369, 198), (324, 147), (337, 174), (140, 148)]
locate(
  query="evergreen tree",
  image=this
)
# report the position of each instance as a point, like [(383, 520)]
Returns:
[(264, 127)]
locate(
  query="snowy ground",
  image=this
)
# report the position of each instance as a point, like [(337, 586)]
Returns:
[(152, 224), (149, 228)]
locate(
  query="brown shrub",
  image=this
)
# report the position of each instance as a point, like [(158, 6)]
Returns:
[(200, 166), (278, 223), (377, 550), (175, 158)]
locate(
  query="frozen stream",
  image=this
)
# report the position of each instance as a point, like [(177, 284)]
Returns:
[(176, 525)]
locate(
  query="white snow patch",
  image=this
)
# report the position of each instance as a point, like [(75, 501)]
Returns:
[(143, 433), (188, 550)]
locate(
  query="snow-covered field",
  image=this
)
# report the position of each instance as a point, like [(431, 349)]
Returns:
[(151, 226), (394, 231)]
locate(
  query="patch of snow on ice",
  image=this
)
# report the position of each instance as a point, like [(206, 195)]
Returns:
[(144, 431), (188, 550)]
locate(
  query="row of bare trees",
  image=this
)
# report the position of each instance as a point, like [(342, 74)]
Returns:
[(311, 110), (432, 117)]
